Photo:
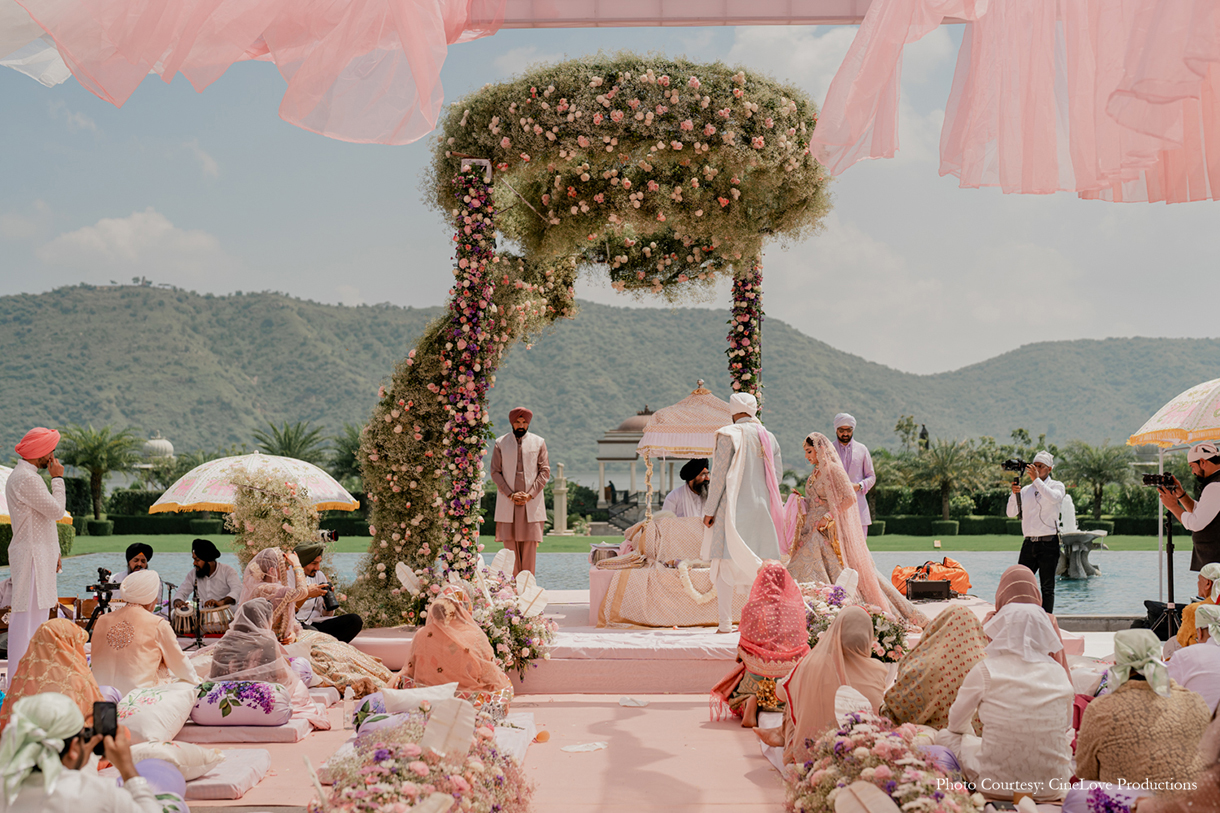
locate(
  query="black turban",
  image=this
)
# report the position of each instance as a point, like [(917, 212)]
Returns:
[(308, 551), (136, 549), (205, 550), (693, 469)]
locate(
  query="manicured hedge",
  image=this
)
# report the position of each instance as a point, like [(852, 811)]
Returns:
[(131, 502), (99, 527), (944, 527), (1014, 527), (78, 501), (141, 524), (877, 528), (66, 538), (980, 525), (907, 525), (1096, 525)]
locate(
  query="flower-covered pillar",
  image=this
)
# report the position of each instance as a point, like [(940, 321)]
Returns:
[(745, 332)]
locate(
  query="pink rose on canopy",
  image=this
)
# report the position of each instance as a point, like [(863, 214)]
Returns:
[(419, 768)]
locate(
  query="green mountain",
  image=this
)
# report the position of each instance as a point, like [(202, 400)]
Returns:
[(207, 371)]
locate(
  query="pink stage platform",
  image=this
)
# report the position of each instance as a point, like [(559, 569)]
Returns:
[(588, 660)]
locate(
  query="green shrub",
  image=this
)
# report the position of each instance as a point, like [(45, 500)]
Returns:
[(206, 527), (78, 500), (944, 527), (100, 527), (925, 502), (1142, 526), (961, 505), (131, 502), (1096, 525), (143, 524), (346, 526), (67, 535), (981, 525), (877, 528), (992, 502), (891, 500), (1137, 501), (78, 523), (1014, 527), (907, 525)]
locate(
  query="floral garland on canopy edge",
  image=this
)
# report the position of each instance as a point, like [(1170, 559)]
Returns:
[(664, 173)]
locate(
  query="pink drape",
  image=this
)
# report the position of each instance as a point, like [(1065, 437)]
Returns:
[(775, 502), (1111, 99), (357, 70)]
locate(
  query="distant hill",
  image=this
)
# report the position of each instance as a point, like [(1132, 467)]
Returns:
[(207, 371)]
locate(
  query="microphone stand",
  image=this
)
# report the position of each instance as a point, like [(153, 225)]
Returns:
[(198, 619)]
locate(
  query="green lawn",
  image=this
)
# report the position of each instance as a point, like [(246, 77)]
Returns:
[(181, 543)]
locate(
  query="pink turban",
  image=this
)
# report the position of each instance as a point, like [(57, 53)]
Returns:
[(520, 412), (38, 442)]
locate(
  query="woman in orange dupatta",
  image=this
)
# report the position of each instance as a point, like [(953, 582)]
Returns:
[(931, 673), (54, 662), (1018, 585), (774, 637), (452, 648), (841, 658)]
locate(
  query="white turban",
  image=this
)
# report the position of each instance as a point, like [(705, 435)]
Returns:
[(843, 419), (1045, 458), (1202, 451), (141, 587), (34, 736), (740, 402), (1208, 615), (1211, 572)]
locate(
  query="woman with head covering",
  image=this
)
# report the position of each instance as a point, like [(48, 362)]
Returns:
[(774, 637), (335, 663), (834, 517), (1197, 667), (249, 651), (132, 647), (452, 648), (1209, 589), (1148, 727), (1024, 702), (1018, 585), (1205, 773), (842, 657), (930, 675), (54, 662)]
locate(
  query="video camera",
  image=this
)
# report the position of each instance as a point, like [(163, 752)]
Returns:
[(1014, 464), (1159, 480), (328, 536), (104, 585)]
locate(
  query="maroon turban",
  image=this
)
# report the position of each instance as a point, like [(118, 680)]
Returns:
[(38, 442), (520, 412)]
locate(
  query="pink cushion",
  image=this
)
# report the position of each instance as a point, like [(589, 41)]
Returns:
[(242, 703)]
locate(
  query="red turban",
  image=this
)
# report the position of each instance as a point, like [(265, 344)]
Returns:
[(38, 442), (520, 412)]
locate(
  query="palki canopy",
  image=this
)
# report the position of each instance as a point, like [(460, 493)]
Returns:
[(685, 430), (1111, 99), (209, 486)]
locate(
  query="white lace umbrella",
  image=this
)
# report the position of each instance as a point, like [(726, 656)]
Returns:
[(209, 486), (5, 519), (1190, 417), (685, 430)]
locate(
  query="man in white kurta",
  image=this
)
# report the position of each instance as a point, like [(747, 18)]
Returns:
[(34, 552), (687, 499), (742, 504), (520, 469), (219, 584), (857, 462)]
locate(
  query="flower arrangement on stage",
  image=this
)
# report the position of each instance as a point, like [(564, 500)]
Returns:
[(519, 641), (868, 748), (822, 605), (269, 513), (745, 332), (389, 772)]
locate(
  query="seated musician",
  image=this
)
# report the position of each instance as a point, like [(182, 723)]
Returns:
[(219, 584), (311, 610), (138, 556), (132, 647)]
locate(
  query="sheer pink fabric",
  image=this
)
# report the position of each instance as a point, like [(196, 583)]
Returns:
[(840, 497), (357, 70), (773, 620), (1112, 99)]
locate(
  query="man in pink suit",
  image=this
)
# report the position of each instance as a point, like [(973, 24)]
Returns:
[(520, 468), (857, 462)]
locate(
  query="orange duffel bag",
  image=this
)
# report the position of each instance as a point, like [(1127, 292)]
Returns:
[(949, 570)]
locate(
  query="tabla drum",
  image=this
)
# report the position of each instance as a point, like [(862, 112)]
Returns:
[(216, 620), (183, 620)]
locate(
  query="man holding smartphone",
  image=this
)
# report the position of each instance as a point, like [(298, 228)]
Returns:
[(43, 749), (34, 552)]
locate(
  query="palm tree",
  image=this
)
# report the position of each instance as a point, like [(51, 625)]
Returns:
[(100, 452), (951, 465), (344, 462), (299, 440), (1098, 466)]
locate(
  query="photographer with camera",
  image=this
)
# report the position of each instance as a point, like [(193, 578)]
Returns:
[(317, 610), (1198, 516), (42, 751), (1038, 505)]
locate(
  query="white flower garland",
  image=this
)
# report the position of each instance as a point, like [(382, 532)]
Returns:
[(684, 574)]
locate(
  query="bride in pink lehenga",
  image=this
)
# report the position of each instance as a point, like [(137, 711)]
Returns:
[(828, 516)]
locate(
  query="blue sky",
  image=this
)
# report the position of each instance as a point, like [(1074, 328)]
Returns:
[(213, 192)]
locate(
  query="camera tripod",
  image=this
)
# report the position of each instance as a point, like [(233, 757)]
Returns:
[(103, 606), (1170, 616)]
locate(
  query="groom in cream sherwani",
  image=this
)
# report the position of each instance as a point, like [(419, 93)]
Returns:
[(743, 504)]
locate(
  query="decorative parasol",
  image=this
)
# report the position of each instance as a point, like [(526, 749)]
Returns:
[(5, 519), (685, 430), (209, 486), (1192, 416)]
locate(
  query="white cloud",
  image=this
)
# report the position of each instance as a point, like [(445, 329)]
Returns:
[(807, 56), (25, 225), (348, 295), (207, 164), (518, 59), (144, 243), (75, 121)]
